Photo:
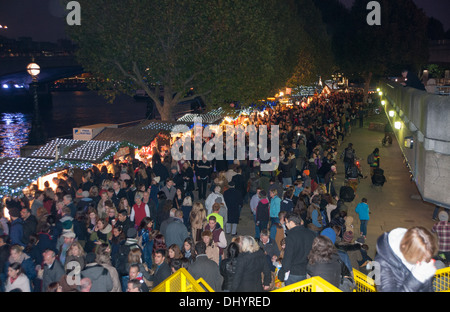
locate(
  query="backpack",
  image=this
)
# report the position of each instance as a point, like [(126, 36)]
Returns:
[(370, 159), (348, 154), (352, 172)]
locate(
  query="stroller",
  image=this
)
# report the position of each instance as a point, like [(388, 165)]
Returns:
[(378, 178)]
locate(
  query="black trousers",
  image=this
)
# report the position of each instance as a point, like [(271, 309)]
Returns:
[(202, 185)]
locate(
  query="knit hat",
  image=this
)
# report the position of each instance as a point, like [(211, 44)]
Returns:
[(443, 216), (348, 237), (330, 233)]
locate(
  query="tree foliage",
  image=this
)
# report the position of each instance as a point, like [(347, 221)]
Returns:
[(224, 50)]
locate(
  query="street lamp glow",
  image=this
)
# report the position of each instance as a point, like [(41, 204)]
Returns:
[(391, 113), (33, 69), (378, 89), (380, 93), (398, 125), (383, 102)]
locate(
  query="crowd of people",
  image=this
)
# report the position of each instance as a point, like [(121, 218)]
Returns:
[(129, 227)]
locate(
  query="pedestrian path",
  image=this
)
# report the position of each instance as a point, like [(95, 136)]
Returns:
[(395, 204)]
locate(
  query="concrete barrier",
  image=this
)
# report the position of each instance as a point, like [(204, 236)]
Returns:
[(423, 119)]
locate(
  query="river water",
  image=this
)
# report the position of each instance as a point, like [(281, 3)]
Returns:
[(67, 111)]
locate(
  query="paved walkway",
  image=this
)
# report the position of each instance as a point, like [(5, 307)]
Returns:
[(398, 202), (391, 207)]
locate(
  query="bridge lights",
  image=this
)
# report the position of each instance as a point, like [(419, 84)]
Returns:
[(398, 125), (391, 113)]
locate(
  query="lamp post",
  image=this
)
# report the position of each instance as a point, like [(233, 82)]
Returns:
[(37, 133)]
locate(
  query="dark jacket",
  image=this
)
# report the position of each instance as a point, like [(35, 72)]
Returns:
[(287, 205), (29, 228), (329, 270), (394, 275), (161, 273), (262, 210), (228, 271), (234, 200), (298, 245), (248, 272), (203, 169), (208, 270), (285, 167), (45, 242)]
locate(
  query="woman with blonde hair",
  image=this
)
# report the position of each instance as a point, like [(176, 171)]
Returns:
[(75, 253), (251, 263), (101, 206), (197, 218), (124, 204), (405, 259)]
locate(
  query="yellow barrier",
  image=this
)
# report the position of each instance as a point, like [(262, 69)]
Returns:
[(363, 282), (441, 282), (313, 284), (182, 281)]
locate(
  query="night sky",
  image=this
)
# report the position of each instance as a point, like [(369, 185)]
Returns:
[(44, 20)]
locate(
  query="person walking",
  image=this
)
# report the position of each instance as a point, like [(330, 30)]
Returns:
[(298, 245), (251, 264), (362, 209), (349, 156), (373, 160)]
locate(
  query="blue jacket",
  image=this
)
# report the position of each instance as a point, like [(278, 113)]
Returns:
[(275, 204), (363, 210), (16, 232)]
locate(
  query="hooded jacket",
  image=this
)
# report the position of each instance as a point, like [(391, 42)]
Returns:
[(100, 277), (262, 210), (395, 271)]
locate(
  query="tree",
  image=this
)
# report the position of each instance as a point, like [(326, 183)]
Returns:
[(315, 57), (223, 50), (371, 52)]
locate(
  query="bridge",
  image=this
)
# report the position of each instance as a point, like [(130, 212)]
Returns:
[(420, 123), (52, 68)]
